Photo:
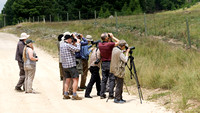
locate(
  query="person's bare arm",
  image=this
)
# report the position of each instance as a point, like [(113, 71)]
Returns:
[(30, 53), (115, 39)]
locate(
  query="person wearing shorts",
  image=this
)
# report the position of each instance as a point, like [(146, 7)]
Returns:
[(67, 52)]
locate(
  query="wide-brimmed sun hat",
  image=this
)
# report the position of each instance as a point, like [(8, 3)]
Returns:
[(67, 33), (89, 38), (24, 36), (123, 42)]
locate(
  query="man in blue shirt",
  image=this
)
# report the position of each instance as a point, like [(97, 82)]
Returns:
[(85, 56), (79, 63)]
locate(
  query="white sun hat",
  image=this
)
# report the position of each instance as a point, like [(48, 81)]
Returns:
[(24, 36), (67, 33), (89, 38)]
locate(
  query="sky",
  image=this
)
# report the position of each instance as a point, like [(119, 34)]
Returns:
[(2, 2)]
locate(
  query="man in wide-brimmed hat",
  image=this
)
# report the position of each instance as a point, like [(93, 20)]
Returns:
[(18, 57), (85, 51)]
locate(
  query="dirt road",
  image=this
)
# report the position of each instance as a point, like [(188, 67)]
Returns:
[(47, 83)]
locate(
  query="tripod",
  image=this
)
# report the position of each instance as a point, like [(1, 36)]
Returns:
[(131, 68)]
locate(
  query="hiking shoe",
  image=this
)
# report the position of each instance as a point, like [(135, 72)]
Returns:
[(119, 101), (83, 87), (103, 96), (79, 89), (18, 89), (88, 96), (76, 97), (66, 97), (111, 97), (123, 100)]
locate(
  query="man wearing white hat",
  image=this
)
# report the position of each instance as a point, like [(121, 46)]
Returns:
[(18, 57), (85, 51)]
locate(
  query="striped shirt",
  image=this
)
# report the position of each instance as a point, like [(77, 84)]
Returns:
[(67, 52)]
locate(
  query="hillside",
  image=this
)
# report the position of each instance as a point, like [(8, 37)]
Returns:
[(171, 71)]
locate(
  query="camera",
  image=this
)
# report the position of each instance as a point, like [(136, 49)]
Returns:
[(95, 42), (109, 35), (78, 36), (97, 61), (36, 57), (74, 40), (131, 48)]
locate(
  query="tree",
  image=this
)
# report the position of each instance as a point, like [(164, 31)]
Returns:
[(16, 10), (107, 13), (8, 11), (101, 13), (150, 6), (137, 8), (126, 10), (1, 20)]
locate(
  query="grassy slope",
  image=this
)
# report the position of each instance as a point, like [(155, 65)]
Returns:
[(159, 65)]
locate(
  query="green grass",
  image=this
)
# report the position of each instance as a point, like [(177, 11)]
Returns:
[(158, 64), (155, 96)]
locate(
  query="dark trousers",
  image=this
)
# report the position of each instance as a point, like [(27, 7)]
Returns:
[(21, 74), (84, 75), (105, 66), (95, 78), (119, 88)]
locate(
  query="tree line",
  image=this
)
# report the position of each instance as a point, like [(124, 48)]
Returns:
[(18, 10)]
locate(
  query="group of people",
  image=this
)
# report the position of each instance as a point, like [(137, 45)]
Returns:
[(74, 53), (26, 57)]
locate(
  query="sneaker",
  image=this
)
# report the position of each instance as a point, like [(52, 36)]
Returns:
[(103, 96), (118, 101), (18, 89), (76, 97), (123, 100), (88, 96), (79, 89), (83, 87), (111, 97), (66, 97)]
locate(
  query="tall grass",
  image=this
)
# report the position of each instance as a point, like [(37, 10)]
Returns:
[(158, 64)]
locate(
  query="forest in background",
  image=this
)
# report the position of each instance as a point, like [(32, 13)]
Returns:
[(18, 10)]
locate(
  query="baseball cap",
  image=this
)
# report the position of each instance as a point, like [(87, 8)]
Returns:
[(29, 41)]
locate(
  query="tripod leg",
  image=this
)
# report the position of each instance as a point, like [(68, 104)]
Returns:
[(137, 82), (107, 99), (126, 88)]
